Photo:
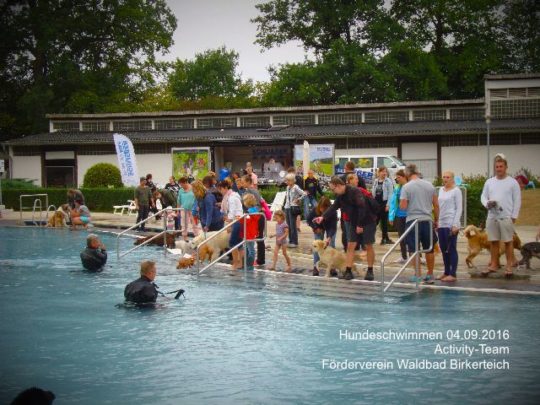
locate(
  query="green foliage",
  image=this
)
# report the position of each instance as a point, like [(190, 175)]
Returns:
[(211, 74), (103, 175), (76, 56), (97, 199), (18, 184)]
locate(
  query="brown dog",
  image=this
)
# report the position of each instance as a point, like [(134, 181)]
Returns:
[(185, 262), (170, 239), (333, 259), (477, 240), (57, 220), (205, 253)]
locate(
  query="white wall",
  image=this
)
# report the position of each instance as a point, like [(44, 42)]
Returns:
[(28, 167), (471, 160), (419, 150), (366, 151), (159, 164)]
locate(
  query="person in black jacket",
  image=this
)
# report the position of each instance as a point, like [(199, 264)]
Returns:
[(143, 290), (94, 257), (354, 214), (311, 188)]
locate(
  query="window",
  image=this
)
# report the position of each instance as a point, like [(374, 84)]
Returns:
[(429, 115), (135, 125), (385, 161), (173, 124), (257, 122), (337, 119), (462, 114), (387, 116), (294, 119), (95, 126), (66, 126), (216, 123), (517, 108)]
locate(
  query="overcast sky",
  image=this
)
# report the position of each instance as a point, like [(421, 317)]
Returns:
[(209, 24)]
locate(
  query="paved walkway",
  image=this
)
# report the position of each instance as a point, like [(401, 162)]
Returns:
[(524, 280)]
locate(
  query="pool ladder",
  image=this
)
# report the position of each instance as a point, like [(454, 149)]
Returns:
[(37, 207), (238, 245), (415, 256)]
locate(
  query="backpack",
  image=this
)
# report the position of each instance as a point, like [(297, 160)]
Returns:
[(372, 205)]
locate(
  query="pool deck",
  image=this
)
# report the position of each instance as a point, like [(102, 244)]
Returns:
[(523, 282)]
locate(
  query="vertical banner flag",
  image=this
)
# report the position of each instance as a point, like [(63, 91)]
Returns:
[(126, 160)]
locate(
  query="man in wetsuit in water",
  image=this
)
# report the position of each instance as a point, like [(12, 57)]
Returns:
[(94, 257), (143, 290)]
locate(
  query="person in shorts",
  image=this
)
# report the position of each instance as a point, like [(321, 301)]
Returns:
[(502, 198), (80, 215), (419, 198), (282, 232)]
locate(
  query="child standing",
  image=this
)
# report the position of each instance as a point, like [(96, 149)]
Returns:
[(251, 227), (282, 232), (171, 219)]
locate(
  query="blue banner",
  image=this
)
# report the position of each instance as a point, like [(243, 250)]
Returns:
[(126, 160)]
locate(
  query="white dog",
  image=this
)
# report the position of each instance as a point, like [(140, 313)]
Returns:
[(215, 245), (333, 259)]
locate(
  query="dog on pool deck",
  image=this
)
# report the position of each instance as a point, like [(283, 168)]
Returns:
[(170, 239), (214, 246), (57, 220), (528, 251), (333, 259), (477, 240)]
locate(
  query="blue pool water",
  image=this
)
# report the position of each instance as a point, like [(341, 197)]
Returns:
[(237, 339)]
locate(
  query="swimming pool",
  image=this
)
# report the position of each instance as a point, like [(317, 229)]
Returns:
[(241, 339)]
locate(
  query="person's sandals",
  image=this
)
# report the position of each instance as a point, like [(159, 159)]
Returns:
[(508, 273), (488, 270)]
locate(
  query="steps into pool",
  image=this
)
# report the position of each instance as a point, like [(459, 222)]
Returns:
[(291, 283)]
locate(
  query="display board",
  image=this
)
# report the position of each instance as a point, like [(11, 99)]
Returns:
[(321, 159), (190, 162)]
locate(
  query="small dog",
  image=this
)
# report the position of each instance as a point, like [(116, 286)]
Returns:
[(333, 259), (216, 245), (528, 251), (185, 262), (477, 240), (183, 246), (170, 239)]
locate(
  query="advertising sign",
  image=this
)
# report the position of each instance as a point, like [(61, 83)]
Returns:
[(191, 162)]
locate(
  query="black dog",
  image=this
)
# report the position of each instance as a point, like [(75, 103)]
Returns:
[(528, 251)]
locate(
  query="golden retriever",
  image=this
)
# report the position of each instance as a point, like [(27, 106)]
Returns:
[(215, 245), (477, 240), (170, 240), (185, 262), (57, 220), (333, 259)]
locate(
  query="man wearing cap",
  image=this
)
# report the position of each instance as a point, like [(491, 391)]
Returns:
[(502, 198), (143, 199)]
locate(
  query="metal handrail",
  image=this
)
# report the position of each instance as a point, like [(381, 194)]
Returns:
[(48, 209), (21, 207), (37, 202), (164, 233), (416, 255), (242, 243)]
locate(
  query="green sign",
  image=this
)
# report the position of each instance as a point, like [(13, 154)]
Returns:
[(191, 162)]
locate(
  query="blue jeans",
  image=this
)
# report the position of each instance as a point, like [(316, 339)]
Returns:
[(250, 255), (309, 200), (320, 236), (291, 222), (448, 242)]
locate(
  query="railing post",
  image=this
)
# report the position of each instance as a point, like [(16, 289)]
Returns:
[(245, 245), (416, 252)]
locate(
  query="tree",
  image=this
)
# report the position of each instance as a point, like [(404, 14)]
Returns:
[(317, 24), (211, 77), (76, 56)]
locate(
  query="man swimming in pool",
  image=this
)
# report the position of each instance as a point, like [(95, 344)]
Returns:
[(94, 257), (143, 290)]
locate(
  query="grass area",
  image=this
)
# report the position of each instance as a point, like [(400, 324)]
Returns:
[(530, 207)]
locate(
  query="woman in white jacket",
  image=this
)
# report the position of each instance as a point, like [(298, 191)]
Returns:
[(450, 206), (232, 209)]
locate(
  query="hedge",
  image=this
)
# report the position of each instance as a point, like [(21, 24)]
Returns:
[(103, 199), (97, 199)]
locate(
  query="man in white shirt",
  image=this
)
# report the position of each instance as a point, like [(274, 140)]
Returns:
[(502, 197)]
